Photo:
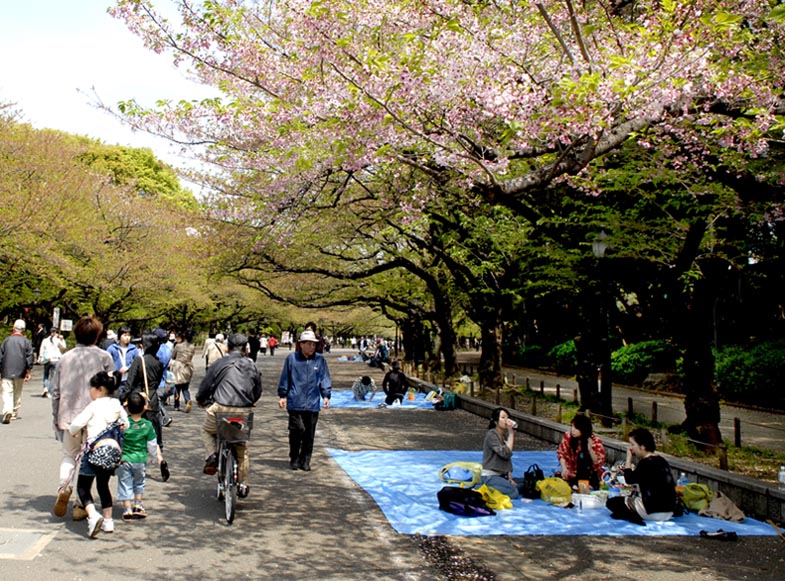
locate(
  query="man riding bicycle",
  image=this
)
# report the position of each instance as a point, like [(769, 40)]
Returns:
[(232, 384)]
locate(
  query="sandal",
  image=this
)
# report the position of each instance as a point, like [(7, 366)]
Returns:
[(720, 535)]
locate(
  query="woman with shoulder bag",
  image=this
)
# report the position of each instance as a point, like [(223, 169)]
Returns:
[(143, 377)]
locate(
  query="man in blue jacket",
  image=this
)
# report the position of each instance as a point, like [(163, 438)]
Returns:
[(304, 379)]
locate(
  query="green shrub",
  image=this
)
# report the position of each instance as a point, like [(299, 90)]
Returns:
[(564, 358), (632, 363), (752, 375), (532, 356)]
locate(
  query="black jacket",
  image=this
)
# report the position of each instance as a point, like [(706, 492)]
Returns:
[(232, 381), (135, 382)]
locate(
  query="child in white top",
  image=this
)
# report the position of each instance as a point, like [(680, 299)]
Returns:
[(103, 411)]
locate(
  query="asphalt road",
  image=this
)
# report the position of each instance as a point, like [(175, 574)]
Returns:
[(317, 525)]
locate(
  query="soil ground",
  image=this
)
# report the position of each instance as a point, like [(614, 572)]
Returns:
[(313, 525)]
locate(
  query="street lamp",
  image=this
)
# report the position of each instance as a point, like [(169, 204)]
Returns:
[(598, 247)]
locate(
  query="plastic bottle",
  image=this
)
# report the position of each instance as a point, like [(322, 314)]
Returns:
[(683, 480), (781, 477)]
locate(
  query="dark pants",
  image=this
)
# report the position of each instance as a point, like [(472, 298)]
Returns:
[(391, 397), (85, 482), (302, 429), (181, 389), (155, 419), (620, 511)]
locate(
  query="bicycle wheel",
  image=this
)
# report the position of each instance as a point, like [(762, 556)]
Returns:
[(219, 489), (230, 485)]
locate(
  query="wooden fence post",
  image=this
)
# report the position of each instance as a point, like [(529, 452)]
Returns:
[(654, 412), (737, 432), (722, 454)]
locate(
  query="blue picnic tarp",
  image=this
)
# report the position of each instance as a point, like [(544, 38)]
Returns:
[(345, 399), (404, 484)]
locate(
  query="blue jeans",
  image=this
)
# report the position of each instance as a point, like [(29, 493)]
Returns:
[(130, 480), (504, 485)]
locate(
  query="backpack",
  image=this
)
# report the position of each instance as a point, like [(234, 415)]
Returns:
[(463, 502), (447, 403), (531, 477)]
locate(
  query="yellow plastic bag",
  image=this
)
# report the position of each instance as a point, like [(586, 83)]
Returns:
[(696, 497), (466, 474), (555, 490), (493, 498)]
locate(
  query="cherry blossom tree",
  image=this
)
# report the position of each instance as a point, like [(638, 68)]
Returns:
[(504, 98), (495, 101)]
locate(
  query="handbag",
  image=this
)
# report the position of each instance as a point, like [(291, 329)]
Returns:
[(531, 477), (106, 451)]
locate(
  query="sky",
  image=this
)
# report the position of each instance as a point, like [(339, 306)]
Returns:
[(56, 53)]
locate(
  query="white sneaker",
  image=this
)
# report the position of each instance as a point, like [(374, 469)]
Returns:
[(94, 525), (108, 526)]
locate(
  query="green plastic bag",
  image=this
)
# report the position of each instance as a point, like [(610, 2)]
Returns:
[(696, 497)]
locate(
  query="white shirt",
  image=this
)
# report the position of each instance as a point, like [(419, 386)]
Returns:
[(52, 349), (98, 415)]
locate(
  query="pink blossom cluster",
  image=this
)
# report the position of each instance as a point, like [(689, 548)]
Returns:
[(507, 96)]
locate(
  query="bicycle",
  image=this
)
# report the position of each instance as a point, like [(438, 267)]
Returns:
[(232, 429)]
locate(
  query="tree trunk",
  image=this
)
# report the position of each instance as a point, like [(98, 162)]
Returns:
[(443, 320), (701, 402), (492, 333), (693, 327), (587, 374)]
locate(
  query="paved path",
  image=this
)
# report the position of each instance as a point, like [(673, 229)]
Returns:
[(297, 525), (758, 428)]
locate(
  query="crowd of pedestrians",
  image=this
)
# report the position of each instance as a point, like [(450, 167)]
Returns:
[(117, 381)]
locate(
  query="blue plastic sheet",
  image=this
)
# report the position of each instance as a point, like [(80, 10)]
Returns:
[(345, 399), (404, 485)]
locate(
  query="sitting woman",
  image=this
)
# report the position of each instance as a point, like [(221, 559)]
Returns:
[(655, 498), (581, 454), (497, 455), (363, 386)]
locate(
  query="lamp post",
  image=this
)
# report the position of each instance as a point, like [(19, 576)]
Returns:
[(599, 246)]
